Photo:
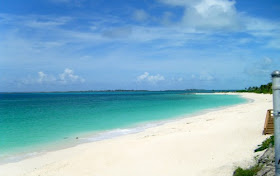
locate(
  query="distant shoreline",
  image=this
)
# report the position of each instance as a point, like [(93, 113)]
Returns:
[(89, 91)]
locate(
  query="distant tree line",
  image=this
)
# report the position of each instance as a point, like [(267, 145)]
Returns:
[(266, 89)]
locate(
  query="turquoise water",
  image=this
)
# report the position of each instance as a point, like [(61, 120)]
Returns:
[(35, 120)]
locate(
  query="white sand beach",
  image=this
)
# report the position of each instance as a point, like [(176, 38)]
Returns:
[(210, 144)]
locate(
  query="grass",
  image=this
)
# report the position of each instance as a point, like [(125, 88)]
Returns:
[(247, 172), (265, 144)]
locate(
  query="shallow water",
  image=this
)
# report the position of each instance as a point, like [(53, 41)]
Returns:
[(35, 121)]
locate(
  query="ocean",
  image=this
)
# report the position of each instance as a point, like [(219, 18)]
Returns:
[(31, 123)]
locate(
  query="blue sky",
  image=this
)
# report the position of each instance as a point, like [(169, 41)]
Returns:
[(56, 45)]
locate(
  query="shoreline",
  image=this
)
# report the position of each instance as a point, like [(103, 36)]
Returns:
[(96, 136), (169, 131)]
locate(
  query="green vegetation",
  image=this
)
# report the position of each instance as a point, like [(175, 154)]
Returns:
[(265, 144), (266, 89), (256, 168), (247, 172)]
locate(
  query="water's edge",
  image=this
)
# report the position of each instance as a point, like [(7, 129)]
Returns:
[(110, 134)]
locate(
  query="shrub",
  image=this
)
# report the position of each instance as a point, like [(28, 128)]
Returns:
[(265, 144), (247, 172)]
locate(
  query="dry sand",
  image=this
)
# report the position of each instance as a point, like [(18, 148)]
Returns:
[(211, 144)]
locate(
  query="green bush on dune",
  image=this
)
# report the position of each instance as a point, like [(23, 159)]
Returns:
[(247, 172), (265, 144), (256, 168)]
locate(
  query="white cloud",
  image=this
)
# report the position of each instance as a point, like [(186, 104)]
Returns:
[(150, 78), (208, 14), (212, 15), (44, 78), (143, 76), (200, 17), (68, 76)]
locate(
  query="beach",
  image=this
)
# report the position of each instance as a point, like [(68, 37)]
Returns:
[(209, 144)]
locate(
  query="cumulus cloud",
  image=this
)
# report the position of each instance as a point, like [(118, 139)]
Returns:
[(68, 76), (208, 14), (221, 15), (213, 14), (150, 78), (44, 78)]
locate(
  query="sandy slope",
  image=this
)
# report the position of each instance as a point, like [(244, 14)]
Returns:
[(210, 144)]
